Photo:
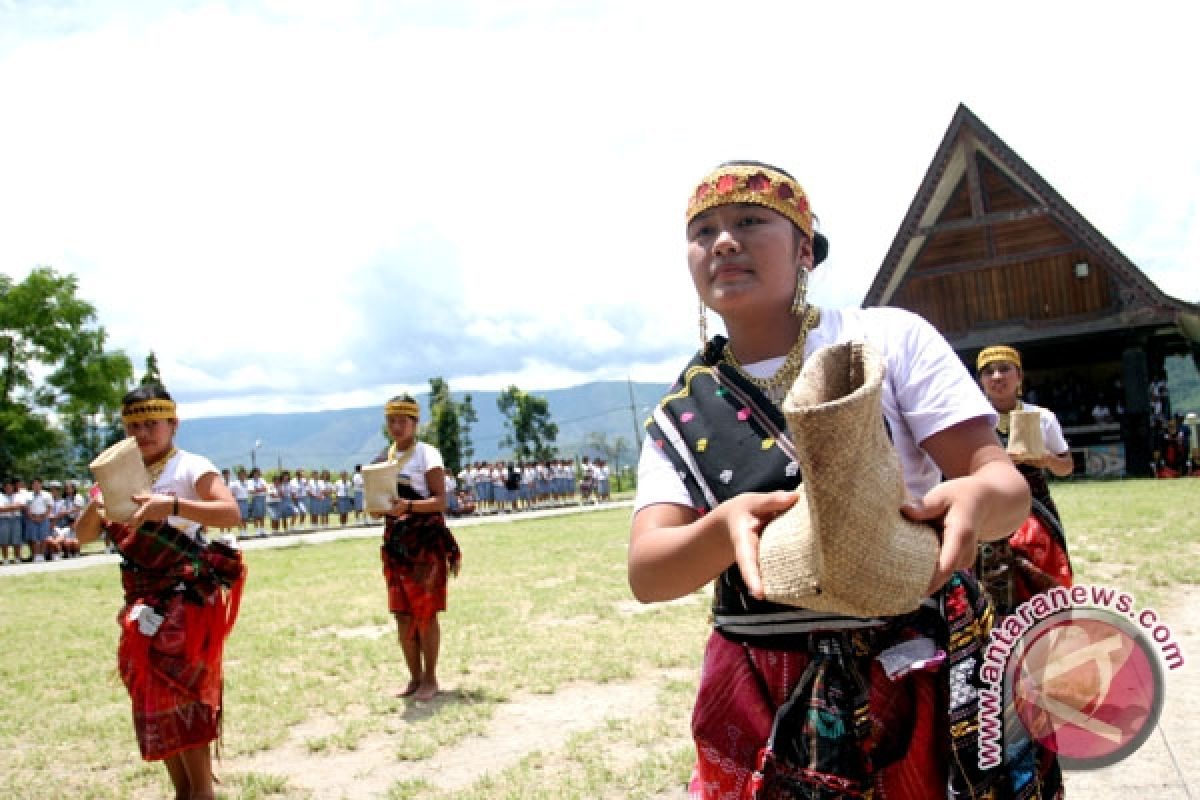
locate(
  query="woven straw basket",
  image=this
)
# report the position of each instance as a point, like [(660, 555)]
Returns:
[(844, 547), (1025, 434), (121, 474)]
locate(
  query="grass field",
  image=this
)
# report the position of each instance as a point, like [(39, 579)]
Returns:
[(541, 607)]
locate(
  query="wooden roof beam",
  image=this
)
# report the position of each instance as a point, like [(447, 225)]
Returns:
[(1000, 261), (994, 218)]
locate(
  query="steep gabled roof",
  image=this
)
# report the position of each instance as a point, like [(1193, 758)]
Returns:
[(975, 194)]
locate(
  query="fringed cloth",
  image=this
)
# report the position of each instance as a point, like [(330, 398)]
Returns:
[(174, 677), (890, 712), (418, 551)]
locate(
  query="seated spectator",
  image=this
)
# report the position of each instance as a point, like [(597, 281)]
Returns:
[(466, 502), (1172, 450), (52, 545)]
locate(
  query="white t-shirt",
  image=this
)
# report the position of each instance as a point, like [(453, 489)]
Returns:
[(424, 458), (1052, 434), (21, 498), (8, 500), (178, 479), (39, 503), (238, 489), (926, 389)]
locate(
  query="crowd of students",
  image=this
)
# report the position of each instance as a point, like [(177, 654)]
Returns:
[(39, 519), (507, 486), (37, 522), (296, 500)]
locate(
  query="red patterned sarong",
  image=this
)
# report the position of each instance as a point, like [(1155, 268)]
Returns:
[(174, 677), (742, 688), (418, 553), (890, 712)]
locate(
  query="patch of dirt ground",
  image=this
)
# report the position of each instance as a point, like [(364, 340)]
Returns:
[(526, 724), (1166, 767)]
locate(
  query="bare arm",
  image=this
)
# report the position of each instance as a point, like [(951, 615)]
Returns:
[(1060, 464), (983, 498), (216, 507), (673, 551), (90, 523), (435, 479)]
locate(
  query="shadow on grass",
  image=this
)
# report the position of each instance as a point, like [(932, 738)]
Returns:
[(415, 710)]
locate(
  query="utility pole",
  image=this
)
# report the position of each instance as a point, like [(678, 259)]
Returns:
[(637, 428)]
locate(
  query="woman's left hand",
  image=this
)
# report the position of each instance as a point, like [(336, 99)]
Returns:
[(951, 507)]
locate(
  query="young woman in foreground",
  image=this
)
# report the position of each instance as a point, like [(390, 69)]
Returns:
[(181, 595), (803, 706)]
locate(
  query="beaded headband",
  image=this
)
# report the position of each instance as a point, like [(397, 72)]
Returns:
[(763, 186), (1000, 352), (404, 408), (145, 410)]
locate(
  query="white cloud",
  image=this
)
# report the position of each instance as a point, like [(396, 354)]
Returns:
[(270, 196)]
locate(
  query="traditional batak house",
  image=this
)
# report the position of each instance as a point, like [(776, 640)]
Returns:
[(990, 253)]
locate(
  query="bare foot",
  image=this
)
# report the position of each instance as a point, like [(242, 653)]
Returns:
[(427, 692), (407, 691)]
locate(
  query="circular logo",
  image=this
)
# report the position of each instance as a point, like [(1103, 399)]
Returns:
[(1087, 685)]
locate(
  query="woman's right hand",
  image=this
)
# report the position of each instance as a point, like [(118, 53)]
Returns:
[(673, 552), (746, 517)]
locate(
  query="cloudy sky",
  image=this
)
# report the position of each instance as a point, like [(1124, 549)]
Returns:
[(302, 206)]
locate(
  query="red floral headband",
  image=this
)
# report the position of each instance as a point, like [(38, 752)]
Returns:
[(752, 184)]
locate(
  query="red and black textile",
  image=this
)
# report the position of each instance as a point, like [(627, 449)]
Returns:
[(830, 722), (418, 553), (174, 677), (1033, 558)]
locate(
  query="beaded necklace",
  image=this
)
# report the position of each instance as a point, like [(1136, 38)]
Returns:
[(776, 386), (401, 457), (155, 470)]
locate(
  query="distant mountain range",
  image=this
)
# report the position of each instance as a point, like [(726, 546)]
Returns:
[(339, 439)]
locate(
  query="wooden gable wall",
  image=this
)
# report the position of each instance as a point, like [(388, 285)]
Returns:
[(1012, 260)]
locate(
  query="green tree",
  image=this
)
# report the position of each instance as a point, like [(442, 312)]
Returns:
[(443, 430), (91, 384), (467, 417), (614, 452), (531, 434), (54, 367), (152, 375)]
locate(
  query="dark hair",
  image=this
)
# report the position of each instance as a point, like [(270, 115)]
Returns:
[(149, 391), (820, 242), (402, 398)]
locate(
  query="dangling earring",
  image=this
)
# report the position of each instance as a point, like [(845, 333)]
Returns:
[(703, 324), (800, 301)]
